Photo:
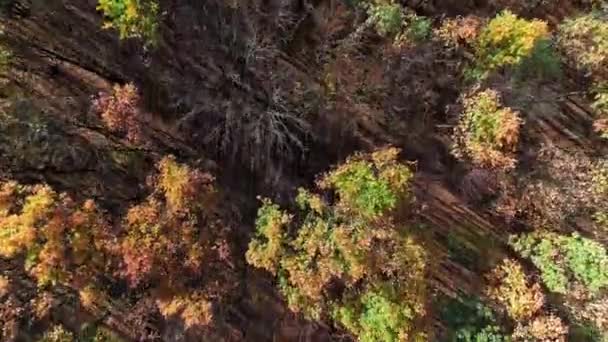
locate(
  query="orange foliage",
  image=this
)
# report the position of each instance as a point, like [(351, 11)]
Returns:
[(170, 235), (120, 111)]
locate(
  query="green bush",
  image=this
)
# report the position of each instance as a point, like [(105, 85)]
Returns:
[(469, 320), (132, 18), (543, 63), (563, 260), (388, 18), (370, 187), (584, 41), (418, 28), (508, 41), (377, 315)]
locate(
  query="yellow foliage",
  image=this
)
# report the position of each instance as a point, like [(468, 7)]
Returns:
[(183, 187), (511, 288), (193, 308), (18, 231)]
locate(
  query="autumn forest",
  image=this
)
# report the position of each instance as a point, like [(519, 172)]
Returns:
[(304, 170)]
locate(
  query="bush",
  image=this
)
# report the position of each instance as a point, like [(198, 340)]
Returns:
[(388, 17), (350, 240), (510, 287), (487, 132), (541, 329), (266, 249), (543, 63), (469, 320), (370, 187), (584, 41), (459, 31), (564, 260), (377, 315), (507, 41), (57, 334), (132, 18), (120, 112), (418, 28)]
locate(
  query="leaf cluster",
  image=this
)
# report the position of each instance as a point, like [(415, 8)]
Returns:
[(132, 18), (565, 260), (488, 132)]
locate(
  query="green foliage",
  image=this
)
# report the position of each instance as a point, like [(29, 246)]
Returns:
[(266, 248), (352, 241), (587, 333), (388, 18), (418, 28), (370, 187), (469, 320), (565, 259), (487, 132), (377, 315), (584, 40), (132, 18), (508, 41), (543, 63)]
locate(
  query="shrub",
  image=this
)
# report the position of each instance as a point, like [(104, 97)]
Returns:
[(418, 28), (542, 329), (388, 17), (507, 41), (350, 240), (487, 132), (132, 18), (377, 315), (266, 249), (584, 41), (57, 334), (469, 320), (563, 260), (459, 31), (542, 63), (370, 187), (120, 111), (510, 287)]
